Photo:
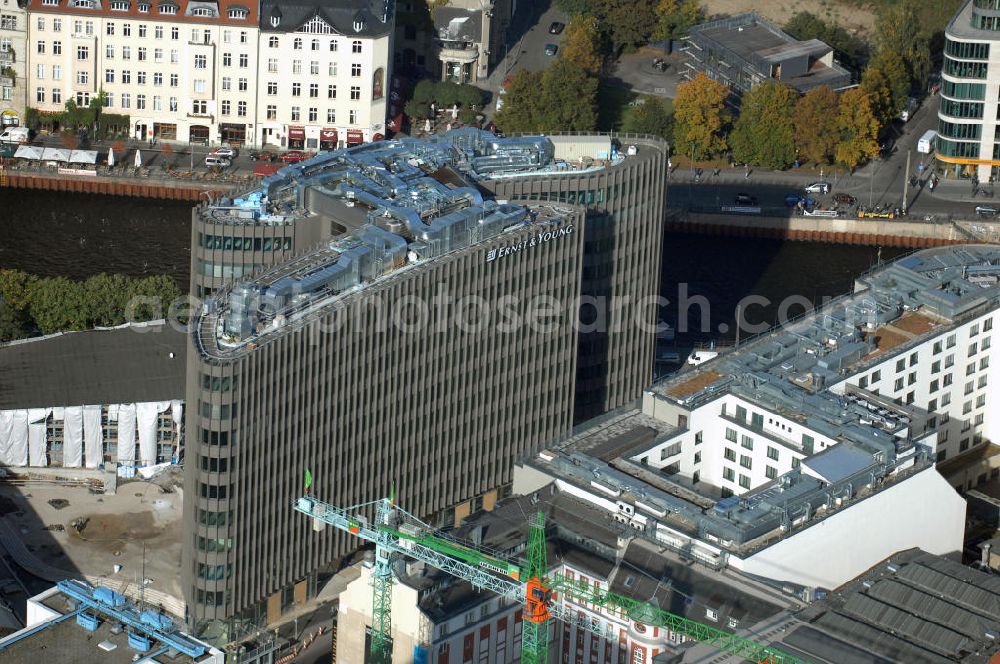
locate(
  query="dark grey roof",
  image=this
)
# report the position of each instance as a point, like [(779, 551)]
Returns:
[(339, 14), (95, 367)]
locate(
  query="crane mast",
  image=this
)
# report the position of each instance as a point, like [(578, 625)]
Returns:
[(394, 531)]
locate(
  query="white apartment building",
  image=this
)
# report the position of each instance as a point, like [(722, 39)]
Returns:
[(182, 70), (324, 71), (13, 62)]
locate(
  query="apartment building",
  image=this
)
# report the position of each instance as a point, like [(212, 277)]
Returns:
[(182, 71), (324, 70), (13, 62)]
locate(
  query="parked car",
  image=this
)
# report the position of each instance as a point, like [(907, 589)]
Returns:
[(294, 156), (819, 188), (214, 161), (262, 155), (793, 199), (225, 151), (844, 199), (556, 28), (551, 49), (746, 199), (987, 211)]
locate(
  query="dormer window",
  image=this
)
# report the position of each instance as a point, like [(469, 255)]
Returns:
[(84, 4), (168, 9), (119, 5), (50, 3), (143, 7), (238, 14), (275, 17), (202, 11), (359, 24)]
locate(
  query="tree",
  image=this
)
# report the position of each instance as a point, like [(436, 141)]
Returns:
[(805, 25), (700, 116), (675, 18), (764, 134), (877, 87), (897, 78), (576, 7), (13, 323), (899, 31), (57, 304), (628, 23), (582, 44), (15, 288), (816, 125), (858, 129), (105, 297), (522, 103), (654, 116), (563, 97)]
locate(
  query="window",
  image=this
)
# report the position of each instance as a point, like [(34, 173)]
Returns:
[(313, 114), (169, 10), (731, 434), (225, 107), (199, 85), (174, 56), (40, 71), (126, 53), (227, 59), (173, 80), (697, 457), (40, 95), (241, 109), (82, 52), (127, 29), (157, 78), (970, 368), (272, 65), (140, 102), (40, 24), (770, 472), (227, 83), (912, 378), (244, 60), (296, 66), (158, 32), (126, 76), (83, 77), (297, 43), (331, 116), (109, 75), (333, 45), (172, 104), (296, 113), (126, 100), (109, 99), (296, 89), (730, 454), (728, 474), (158, 55), (331, 92), (984, 363), (272, 88), (356, 46), (772, 453), (243, 84), (746, 461), (57, 48), (200, 62), (744, 481), (157, 103), (314, 45), (140, 77), (238, 14), (332, 69), (973, 349), (142, 31), (199, 107), (899, 384), (355, 92), (355, 70), (243, 36), (314, 90), (272, 112), (175, 33), (109, 29), (272, 42), (314, 68), (56, 72), (747, 442), (900, 365), (985, 343)]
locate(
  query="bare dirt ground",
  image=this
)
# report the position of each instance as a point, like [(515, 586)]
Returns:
[(116, 528), (857, 21)]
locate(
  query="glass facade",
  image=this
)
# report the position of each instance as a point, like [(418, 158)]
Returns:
[(971, 91), (964, 69), (948, 148), (961, 109), (987, 4), (967, 50), (981, 22), (959, 130)]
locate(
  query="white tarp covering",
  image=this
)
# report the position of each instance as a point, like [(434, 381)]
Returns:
[(93, 436), (126, 434), (38, 437), (55, 154), (14, 438), (148, 418), (73, 436), (6, 426), (83, 157), (28, 152), (177, 415)]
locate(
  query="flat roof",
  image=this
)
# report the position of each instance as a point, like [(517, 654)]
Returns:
[(122, 365), (961, 26)]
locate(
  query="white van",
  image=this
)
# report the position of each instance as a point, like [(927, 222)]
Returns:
[(213, 161), (15, 135), (926, 143)]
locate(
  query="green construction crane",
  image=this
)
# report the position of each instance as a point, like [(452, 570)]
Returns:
[(397, 532)]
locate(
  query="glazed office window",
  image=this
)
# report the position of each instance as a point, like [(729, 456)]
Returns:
[(962, 130), (987, 4), (970, 91), (963, 69), (208, 518), (948, 148), (963, 109), (967, 50), (981, 22)]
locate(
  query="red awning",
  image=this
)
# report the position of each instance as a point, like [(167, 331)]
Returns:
[(266, 169), (296, 133), (396, 122), (328, 135), (355, 137)]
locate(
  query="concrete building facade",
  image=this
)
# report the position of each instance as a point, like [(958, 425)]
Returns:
[(13, 62), (266, 401)]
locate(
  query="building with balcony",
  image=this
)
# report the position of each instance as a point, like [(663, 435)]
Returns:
[(13, 62), (967, 141), (742, 51), (293, 366), (471, 37), (324, 72), (182, 70)]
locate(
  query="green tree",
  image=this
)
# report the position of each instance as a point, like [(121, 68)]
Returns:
[(817, 131), (13, 322), (105, 297), (523, 103), (675, 18), (654, 116), (700, 116), (858, 129), (899, 30), (563, 97), (764, 134), (582, 44), (897, 79), (627, 23), (805, 26), (877, 87), (576, 7), (58, 304), (150, 298), (15, 288)]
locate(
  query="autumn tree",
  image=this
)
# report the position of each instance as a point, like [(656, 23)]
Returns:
[(582, 44), (700, 116), (858, 129), (899, 30), (675, 17), (654, 116), (877, 87), (816, 125), (563, 97), (764, 133), (897, 78)]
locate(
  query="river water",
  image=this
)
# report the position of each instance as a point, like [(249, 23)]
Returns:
[(77, 235)]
